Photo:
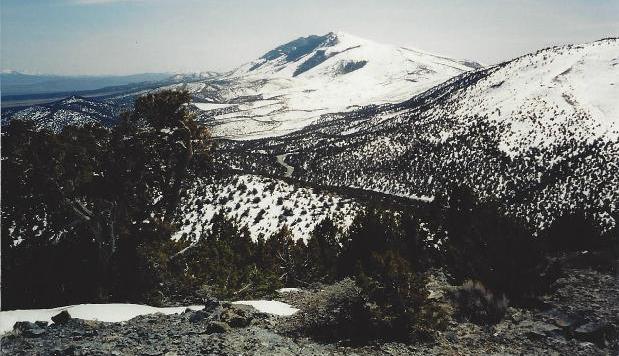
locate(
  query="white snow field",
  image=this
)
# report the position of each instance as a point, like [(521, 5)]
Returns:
[(288, 290), (270, 307), (122, 312), (292, 86), (211, 106)]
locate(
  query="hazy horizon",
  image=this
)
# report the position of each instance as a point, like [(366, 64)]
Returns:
[(120, 37)]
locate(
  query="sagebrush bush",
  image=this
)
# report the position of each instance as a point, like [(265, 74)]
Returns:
[(333, 313), (347, 312), (475, 303)]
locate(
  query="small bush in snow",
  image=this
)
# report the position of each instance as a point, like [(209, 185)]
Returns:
[(260, 216)]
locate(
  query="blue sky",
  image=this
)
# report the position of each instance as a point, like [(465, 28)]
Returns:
[(131, 36)]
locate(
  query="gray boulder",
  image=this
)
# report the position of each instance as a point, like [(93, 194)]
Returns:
[(594, 332), (28, 329), (217, 327)]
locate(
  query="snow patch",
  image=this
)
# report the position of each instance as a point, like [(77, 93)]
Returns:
[(100, 312), (288, 290), (270, 307), (211, 106)]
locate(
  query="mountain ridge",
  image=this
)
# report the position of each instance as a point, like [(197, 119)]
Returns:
[(540, 158)]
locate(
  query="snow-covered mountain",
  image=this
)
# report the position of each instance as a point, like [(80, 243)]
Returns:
[(539, 134), (73, 110), (294, 84)]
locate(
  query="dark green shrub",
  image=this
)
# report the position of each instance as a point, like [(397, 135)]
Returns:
[(485, 245), (347, 311), (477, 304), (334, 313)]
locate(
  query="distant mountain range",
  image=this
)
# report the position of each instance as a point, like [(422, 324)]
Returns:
[(284, 90), (74, 110), (16, 83)]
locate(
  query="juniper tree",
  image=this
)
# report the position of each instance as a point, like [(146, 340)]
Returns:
[(323, 250), (115, 189)]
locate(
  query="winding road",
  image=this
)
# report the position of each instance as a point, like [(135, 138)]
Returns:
[(281, 159)]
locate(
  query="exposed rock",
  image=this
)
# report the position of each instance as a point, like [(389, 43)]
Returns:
[(569, 327), (211, 305), (539, 330), (61, 318), (217, 327), (198, 316), (562, 320), (594, 332), (238, 315), (41, 324), (28, 329)]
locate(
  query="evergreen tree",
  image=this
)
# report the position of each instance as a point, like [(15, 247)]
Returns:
[(323, 251), (485, 245), (102, 190)]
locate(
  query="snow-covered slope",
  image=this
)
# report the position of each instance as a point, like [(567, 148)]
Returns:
[(293, 85), (556, 95), (262, 204), (539, 134), (73, 110)]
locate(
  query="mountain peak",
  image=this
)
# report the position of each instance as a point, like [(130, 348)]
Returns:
[(348, 37), (322, 74), (338, 53)]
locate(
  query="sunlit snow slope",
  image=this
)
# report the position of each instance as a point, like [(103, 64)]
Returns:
[(556, 95), (293, 85), (540, 134)]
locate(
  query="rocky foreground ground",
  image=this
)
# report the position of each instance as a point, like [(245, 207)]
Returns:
[(579, 317)]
